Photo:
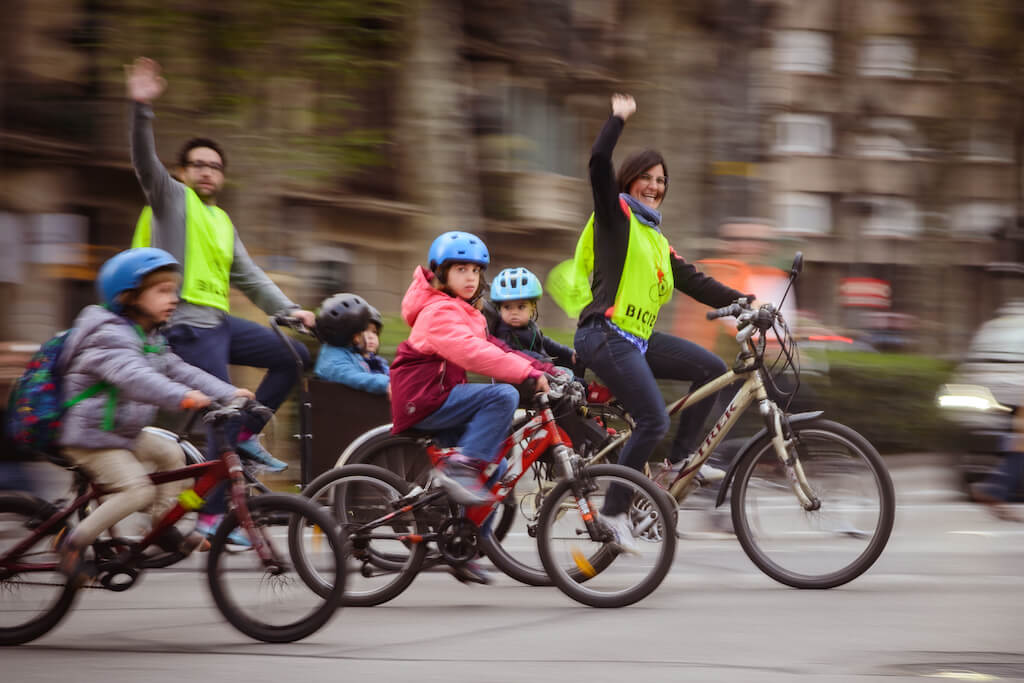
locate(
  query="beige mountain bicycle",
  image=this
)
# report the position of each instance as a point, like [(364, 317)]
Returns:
[(812, 502)]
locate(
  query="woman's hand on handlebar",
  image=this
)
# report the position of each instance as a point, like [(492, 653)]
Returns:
[(245, 393), (307, 318)]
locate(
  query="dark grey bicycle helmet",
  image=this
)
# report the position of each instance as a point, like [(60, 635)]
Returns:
[(341, 317)]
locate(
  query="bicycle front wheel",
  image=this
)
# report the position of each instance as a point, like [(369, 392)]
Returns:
[(34, 596), (272, 601), (828, 546), (593, 570)]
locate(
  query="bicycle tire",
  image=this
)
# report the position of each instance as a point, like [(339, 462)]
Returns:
[(333, 490), (763, 507), (579, 577), (236, 579), (18, 514)]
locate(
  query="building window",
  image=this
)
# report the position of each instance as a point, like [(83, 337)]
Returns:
[(803, 51), (890, 216), (989, 141), (803, 134), (804, 212), (887, 56), (981, 219), (888, 138)]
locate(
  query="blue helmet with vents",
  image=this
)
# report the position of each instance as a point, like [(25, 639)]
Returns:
[(513, 284), (458, 247), (126, 270)]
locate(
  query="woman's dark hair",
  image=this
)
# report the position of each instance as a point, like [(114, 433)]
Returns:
[(634, 166), (200, 142)]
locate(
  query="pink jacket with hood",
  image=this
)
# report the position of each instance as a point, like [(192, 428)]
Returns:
[(448, 338)]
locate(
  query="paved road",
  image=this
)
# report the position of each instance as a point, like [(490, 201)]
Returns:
[(943, 601)]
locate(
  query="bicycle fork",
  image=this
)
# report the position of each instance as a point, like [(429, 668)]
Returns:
[(785, 449)]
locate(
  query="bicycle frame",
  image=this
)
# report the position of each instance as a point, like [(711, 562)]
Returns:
[(208, 475), (753, 389), (521, 450)]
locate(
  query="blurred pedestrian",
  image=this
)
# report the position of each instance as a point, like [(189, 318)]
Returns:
[(183, 218), (1002, 486)]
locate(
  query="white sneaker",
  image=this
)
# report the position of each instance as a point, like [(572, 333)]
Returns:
[(664, 473), (622, 529), (709, 474)]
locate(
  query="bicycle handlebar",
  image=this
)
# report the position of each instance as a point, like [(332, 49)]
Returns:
[(285, 320), (218, 412)]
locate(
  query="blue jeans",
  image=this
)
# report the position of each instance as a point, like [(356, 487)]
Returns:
[(631, 376), (239, 342), (475, 417), (1005, 482)]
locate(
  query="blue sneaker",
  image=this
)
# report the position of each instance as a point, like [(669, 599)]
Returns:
[(207, 525), (252, 448)]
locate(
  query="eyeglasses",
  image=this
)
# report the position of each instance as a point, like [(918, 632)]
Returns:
[(661, 180), (200, 165)]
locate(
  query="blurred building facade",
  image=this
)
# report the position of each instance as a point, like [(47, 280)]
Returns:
[(882, 137)]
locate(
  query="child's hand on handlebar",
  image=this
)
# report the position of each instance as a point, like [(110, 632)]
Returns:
[(194, 400), (542, 385)]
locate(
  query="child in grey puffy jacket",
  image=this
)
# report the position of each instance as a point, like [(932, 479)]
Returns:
[(120, 345)]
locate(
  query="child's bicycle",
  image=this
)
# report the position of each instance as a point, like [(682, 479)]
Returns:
[(812, 502), (260, 591), (390, 522)]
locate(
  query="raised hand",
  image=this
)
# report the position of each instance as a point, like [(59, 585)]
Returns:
[(145, 83), (623, 106)]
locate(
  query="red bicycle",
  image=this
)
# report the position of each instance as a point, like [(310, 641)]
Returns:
[(260, 591), (390, 522)]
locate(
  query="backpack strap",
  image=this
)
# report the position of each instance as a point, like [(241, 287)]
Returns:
[(108, 411)]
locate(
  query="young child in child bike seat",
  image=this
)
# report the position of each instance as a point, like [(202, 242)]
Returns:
[(448, 338), (120, 345), (344, 324), (515, 293)]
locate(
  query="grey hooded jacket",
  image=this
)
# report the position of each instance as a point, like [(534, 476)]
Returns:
[(104, 346)]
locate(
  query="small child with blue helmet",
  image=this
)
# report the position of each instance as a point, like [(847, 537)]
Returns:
[(119, 346), (515, 293)]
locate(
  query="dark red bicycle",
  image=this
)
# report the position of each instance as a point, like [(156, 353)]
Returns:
[(260, 590)]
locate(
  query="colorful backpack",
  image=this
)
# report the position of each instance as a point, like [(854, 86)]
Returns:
[(35, 407)]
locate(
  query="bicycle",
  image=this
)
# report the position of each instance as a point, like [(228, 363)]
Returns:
[(794, 509), (389, 521), (36, 596)]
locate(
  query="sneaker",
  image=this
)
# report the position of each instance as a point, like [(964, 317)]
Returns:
[(173, 541), (459, 476), (72, 563), (207, 526), (664, 473), (996, 506), (622, 529), (471, 572), (253, 449)]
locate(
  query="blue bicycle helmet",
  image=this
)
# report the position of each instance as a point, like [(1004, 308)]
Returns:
[(458, 247), (514, 284), (125, 271)]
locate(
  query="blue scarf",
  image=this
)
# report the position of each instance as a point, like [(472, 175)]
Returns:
[(645, 214)]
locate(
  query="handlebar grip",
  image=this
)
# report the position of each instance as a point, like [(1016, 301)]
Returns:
[(725, 311)]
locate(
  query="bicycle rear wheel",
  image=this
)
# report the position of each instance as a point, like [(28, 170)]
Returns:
[(594, 571), (382, 565), (275, 603), (34, 595), (826, 547)]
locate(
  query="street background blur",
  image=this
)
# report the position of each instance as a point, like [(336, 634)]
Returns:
[(883, 138)]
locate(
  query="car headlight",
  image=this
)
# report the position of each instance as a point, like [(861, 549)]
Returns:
[(969, 397)]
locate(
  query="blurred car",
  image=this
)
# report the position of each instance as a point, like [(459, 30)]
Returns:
[(985, 391)]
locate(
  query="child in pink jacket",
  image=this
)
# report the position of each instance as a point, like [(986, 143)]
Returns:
[(449, 336)]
